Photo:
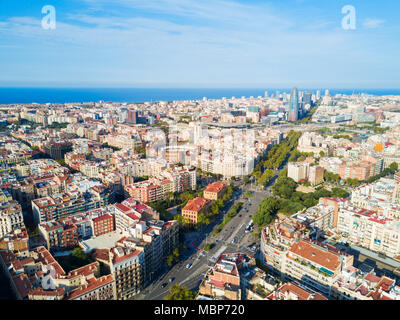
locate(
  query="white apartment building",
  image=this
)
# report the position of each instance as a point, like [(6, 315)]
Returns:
[(11, 217), (368, 229), (316, 266), (381, 196), (298, 170)]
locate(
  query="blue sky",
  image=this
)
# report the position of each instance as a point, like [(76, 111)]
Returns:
[(200, 43)]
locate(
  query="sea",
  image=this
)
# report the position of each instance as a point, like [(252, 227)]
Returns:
[(140, 95)]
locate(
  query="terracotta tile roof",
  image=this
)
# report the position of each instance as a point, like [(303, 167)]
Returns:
[(317, 255), (41, 292), (117, 259), (196, 204), (362, 290), (22, 284), (103, 217), (133, 216), (372, 278), (300, 293), (215, 187), (292, 288), (93, 284), (102, 254), (385, 283), (85, 270), (123, 207), (218, 283)]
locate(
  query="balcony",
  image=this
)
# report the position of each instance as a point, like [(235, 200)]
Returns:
[(323, 271)]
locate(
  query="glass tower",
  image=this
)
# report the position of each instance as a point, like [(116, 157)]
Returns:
[(294, 105)]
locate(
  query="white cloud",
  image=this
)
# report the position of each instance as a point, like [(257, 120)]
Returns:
[(210, 39), (372, 23)]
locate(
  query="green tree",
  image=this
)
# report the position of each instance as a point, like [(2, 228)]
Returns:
[(209, 246), (266, 211), (339, 193), (284, 187), (394, 167), (177, 292)]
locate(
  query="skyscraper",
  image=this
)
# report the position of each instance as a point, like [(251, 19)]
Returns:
[(132, 117), (294, 106), (307, 98)]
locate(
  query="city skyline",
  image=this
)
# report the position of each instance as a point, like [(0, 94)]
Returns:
[(213, 150)]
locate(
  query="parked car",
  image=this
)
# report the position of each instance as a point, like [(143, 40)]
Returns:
[(171, 279), (164, 284), (188, 266)]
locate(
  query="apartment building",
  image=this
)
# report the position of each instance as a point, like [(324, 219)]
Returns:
[(360, 170), (336, 203), (381, 196), (368, 229), (11, 217), (63, 205), (294, 291), (276, 240), (312, 142), (17, 240), (128, 268), (316, 175), (175, 179), (226, 279), (298, 171), (59, 235), (194, 207), (315, 265), (156, 239), (319, 219), (103, 224), (215, 191), (95, 289), (182, 177), (148, 191), (125, 216), (57, 150), (36, 275), (356, 284)]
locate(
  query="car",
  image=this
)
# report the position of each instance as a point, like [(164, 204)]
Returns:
[(188, 266), (240, 215), (164, 284), (171, 279)]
